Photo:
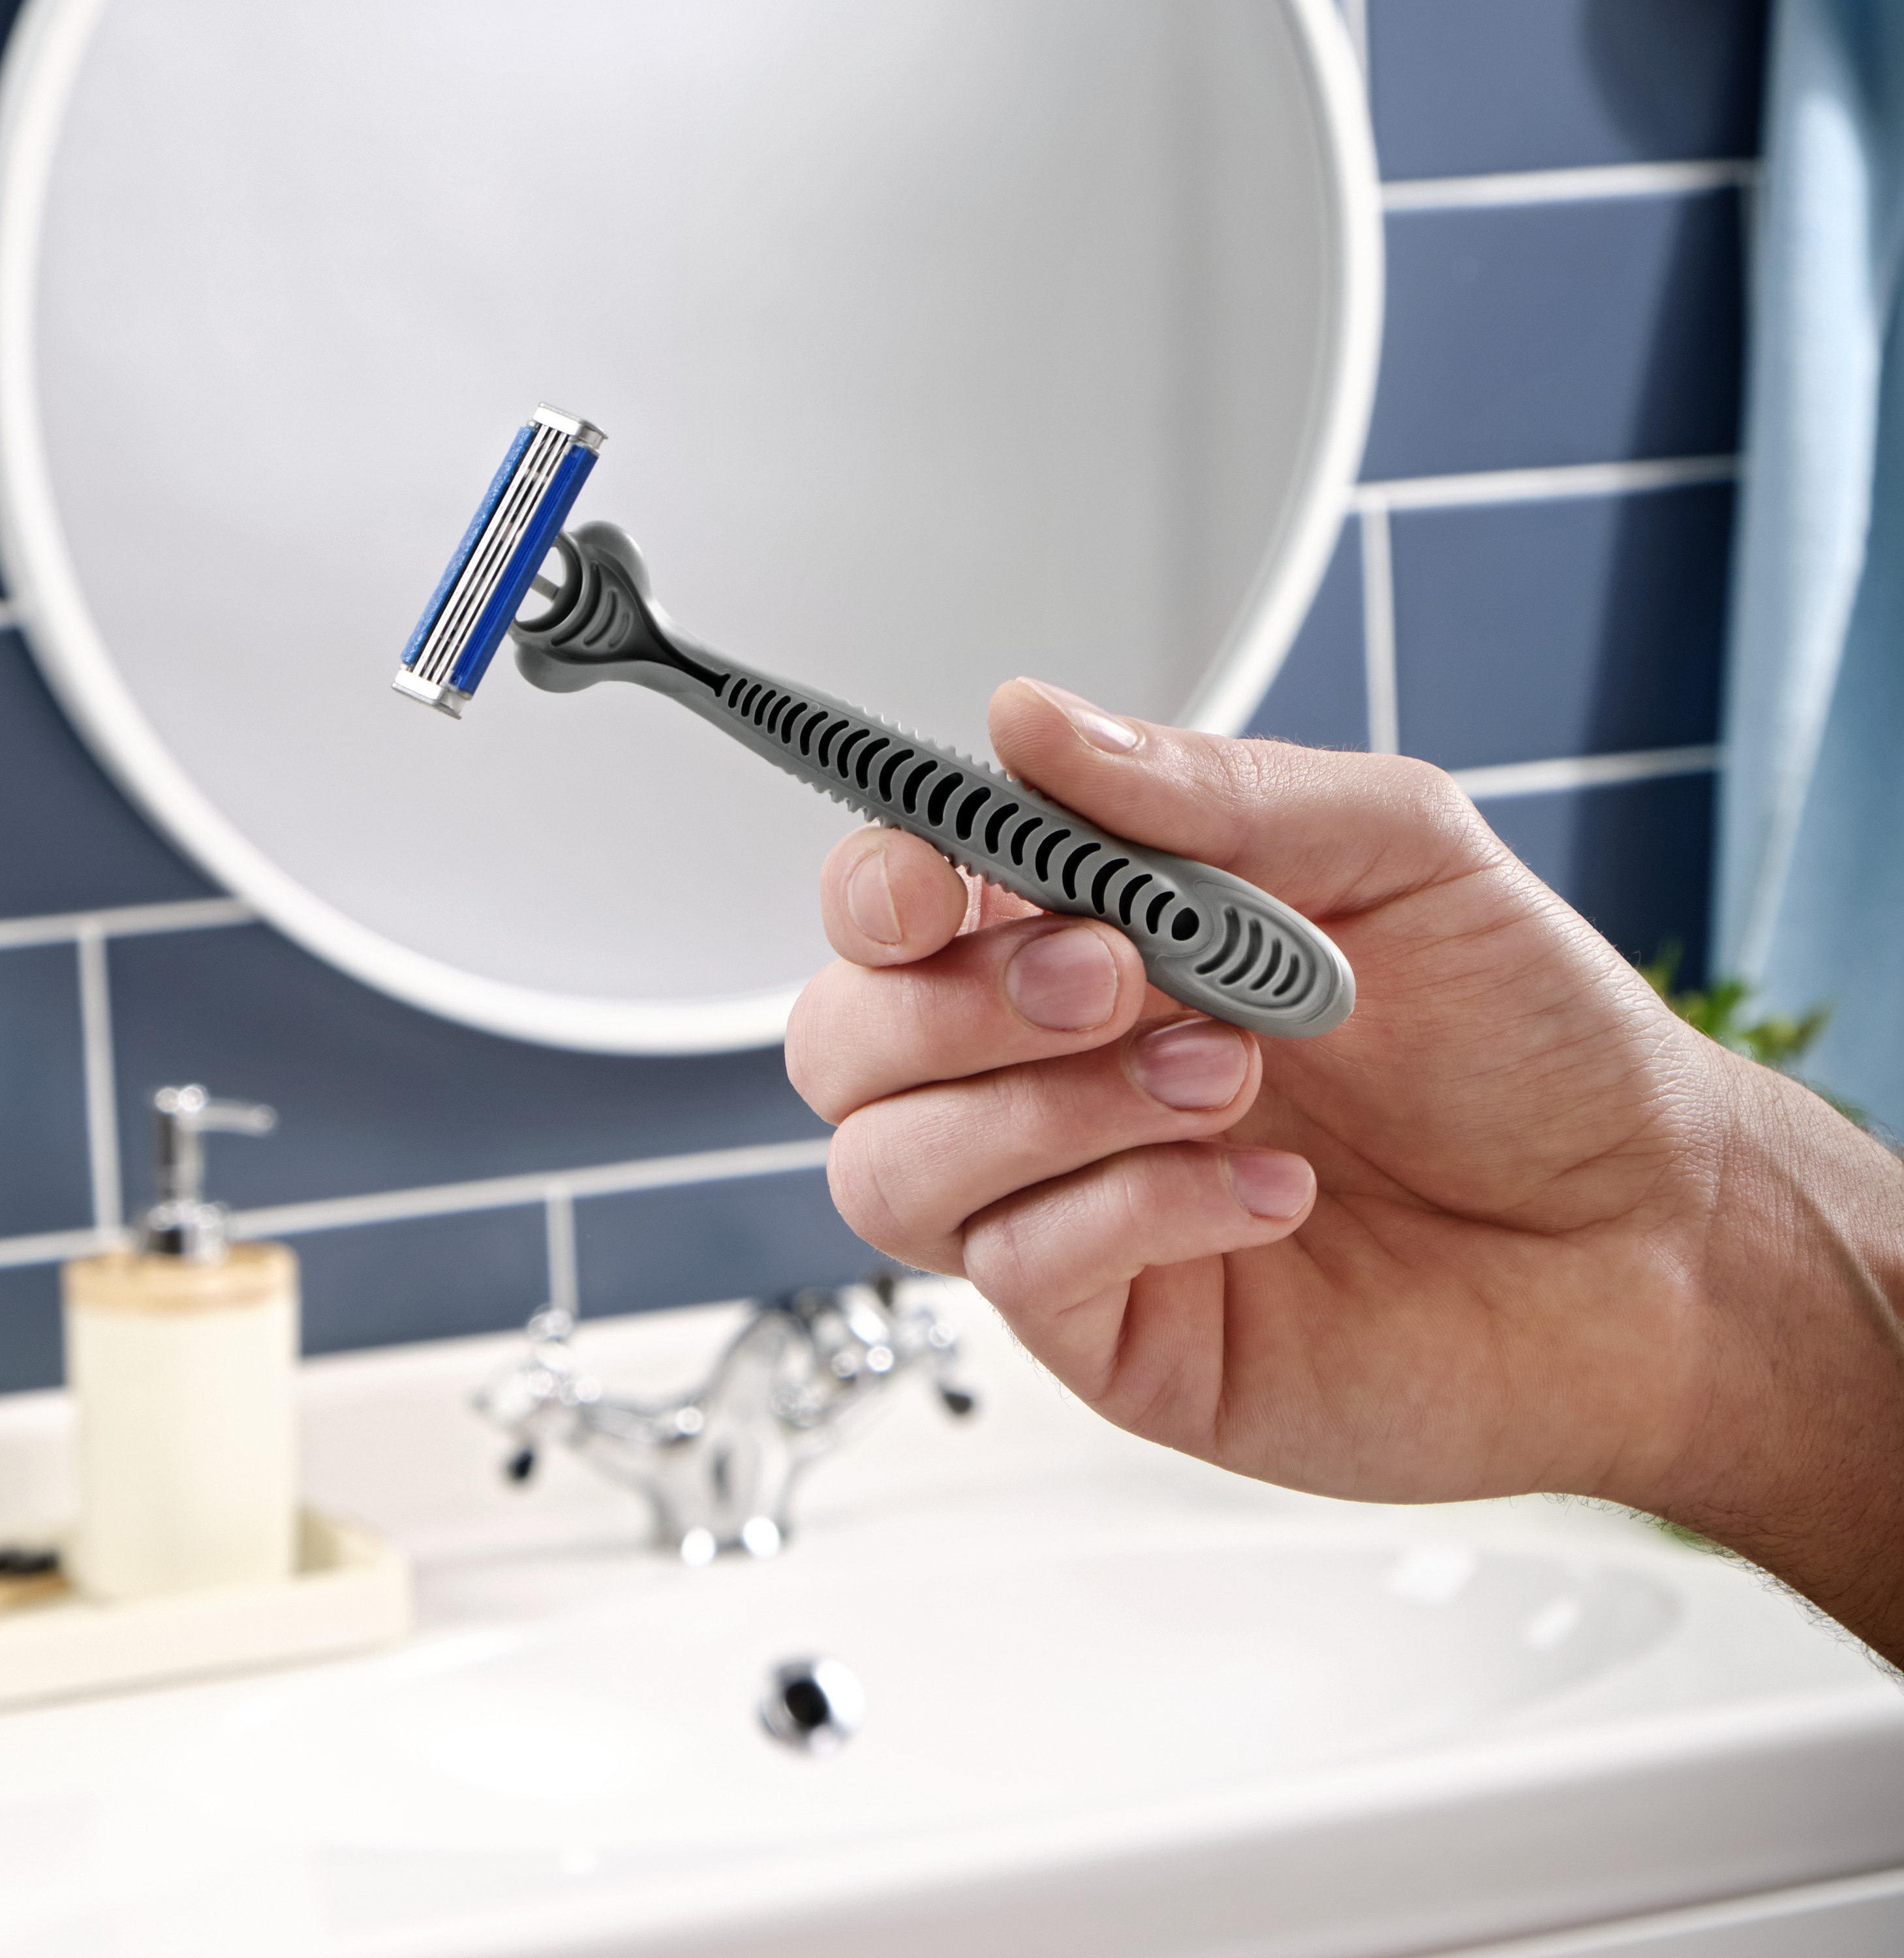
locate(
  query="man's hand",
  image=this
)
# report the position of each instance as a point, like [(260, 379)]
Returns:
[(1513, 1226)]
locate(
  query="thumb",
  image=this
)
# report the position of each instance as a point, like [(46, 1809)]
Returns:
[(1331, 834)]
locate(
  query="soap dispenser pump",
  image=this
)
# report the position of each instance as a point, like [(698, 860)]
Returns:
[(182, 1360), (181, 1223)]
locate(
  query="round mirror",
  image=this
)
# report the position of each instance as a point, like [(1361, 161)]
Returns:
[(935, 341)]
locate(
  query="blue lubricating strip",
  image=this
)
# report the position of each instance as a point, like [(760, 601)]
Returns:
[(558, 500), (440, 597)]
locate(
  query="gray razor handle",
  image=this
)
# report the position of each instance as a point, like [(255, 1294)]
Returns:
[(1207, 939)]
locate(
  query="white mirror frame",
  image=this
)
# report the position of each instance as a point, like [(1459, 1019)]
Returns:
[(48, 44)]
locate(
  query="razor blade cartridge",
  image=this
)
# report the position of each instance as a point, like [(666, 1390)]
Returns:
[(488, 579)]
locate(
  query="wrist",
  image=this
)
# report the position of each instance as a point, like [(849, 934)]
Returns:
[(1796, 1457)]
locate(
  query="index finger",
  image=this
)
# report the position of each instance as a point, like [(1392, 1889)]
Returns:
[(1331, 834)]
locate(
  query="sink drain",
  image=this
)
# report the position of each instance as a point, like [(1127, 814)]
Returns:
[(815, 1705)]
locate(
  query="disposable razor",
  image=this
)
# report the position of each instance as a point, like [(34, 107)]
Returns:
[(576, 603)]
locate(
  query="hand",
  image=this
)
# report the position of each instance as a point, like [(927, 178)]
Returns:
[(1513, 1226)]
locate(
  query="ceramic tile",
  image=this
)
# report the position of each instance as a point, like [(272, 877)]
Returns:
[(739, 1239), (427, 1277), (1593, 625), (69, 842), (32, 1352), (45, 1181), (1320, 695), (1461, 87), (374, 1095), (1543, 335), (1635, 859)]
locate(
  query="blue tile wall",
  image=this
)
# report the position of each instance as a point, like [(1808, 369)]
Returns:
[(31, 1353), (1545, 628), (1463, 86), (1635, 859), (373, 1095), (1320, 697), (45, 1181), (68, 840), (1588, 626), (1530, 335), (713, 1240), (425, 1278), (1540, 624)]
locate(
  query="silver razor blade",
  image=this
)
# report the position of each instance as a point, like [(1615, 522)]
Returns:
[(475, 603), (1206, 938)]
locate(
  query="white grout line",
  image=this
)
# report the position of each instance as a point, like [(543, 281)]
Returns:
[(495, 1192), (557, 1193), (1543, 485), (126, 921), (1585, 771), (559, 1224), (102, 1103), (55, 1247), (1567, 186), (1378, 634)]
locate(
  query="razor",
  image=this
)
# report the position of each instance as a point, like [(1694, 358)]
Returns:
[(577, 605)]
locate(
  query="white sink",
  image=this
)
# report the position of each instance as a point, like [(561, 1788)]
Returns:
[(1114, 1703), (1004, 1684)]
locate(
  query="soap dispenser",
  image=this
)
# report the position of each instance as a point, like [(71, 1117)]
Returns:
[(182, 1360)]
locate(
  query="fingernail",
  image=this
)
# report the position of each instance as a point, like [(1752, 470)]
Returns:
[(1196, 1064), (1268, 1183), (1100, 730), (869, 899), (1066, 982)]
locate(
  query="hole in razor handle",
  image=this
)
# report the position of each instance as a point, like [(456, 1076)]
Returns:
[(552, 591)]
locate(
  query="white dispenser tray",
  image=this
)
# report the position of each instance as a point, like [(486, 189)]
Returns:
[(351, 1589)]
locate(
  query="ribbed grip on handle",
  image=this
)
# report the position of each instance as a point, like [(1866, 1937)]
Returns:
[(1207, 939)]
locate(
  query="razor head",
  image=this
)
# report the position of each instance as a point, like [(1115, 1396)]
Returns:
[(477, 600)]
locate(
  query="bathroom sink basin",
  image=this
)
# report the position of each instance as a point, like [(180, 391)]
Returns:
[(1113, 1701), (1010, 1683)]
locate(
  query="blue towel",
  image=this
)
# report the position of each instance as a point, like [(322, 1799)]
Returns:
[(1811, 874)]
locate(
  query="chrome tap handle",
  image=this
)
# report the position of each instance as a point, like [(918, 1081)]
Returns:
[(719, 1465)]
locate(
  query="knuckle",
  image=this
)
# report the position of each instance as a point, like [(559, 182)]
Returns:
[(807, 1050), (1038, 1249), (1130, 1187), (1245, 777), (868, 1174), (996, 1257), (859, 1191), (1429, 795), (1426, 805)]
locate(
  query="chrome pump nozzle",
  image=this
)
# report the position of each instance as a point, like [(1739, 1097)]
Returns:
[(181, 1223)]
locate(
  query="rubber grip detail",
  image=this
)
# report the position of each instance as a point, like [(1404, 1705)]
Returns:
[(1207, 939)]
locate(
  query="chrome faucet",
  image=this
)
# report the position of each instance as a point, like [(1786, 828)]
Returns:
[(719, 1465)]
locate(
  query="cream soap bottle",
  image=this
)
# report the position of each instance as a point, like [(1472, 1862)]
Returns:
[(181, 1358)]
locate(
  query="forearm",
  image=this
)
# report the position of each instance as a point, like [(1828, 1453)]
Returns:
[(1797, 1459)]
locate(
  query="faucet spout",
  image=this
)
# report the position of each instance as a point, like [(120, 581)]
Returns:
[(719, 1465)]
